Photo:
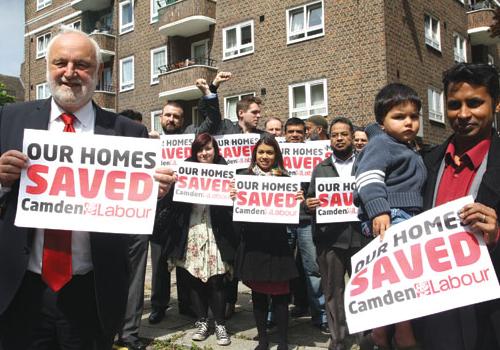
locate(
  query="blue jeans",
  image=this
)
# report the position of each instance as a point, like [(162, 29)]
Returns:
[(303, 234), (397, 216)]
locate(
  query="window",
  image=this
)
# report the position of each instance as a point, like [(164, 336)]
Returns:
[(420, 132), (127, 73), (42, 91), (155, 6), (435, 99), (459, 48), (126, 17), (41, 4), (491, 60), (156, 121), (158, 59), (305, 22), (199, 51), (41, 45), (77, 25), (230, 105), (307, 99), (105, 83), (432, 32), (238, 40)]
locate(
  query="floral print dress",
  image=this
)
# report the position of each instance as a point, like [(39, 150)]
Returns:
[(203, 259)]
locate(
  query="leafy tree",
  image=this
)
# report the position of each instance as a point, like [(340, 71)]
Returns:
[(4, 96)]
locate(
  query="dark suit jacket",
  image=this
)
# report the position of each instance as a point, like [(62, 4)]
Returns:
[(109, 251), (474, 330)]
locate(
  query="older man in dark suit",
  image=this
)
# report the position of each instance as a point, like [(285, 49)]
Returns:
[(41, 307)]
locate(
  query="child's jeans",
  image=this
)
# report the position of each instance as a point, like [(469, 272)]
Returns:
[(397, 216)]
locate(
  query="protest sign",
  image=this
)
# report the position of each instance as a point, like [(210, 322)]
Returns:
[(336, 199), (175, 149), (301, 158), (203, 183), (427, 264), (88, 182), (266, 199), (237, 148)]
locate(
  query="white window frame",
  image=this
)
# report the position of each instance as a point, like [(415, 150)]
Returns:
[(127, 85), (72, 25), (154, 115), (420, 132), (459, 48), (152, 12), (238, 46), (129, 26), (306, 28), (432, 39), (154, 72), (436, 113), (45, 91), (308, 106), (45, 38), (226, 107), (201, 42), (41, 4), (491, 59)]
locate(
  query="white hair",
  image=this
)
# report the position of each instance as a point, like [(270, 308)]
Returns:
[(64, 30)]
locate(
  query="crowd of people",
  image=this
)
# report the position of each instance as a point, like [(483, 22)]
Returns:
[(98, 301)]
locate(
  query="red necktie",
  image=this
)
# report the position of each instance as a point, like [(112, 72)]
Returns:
[(57, 267)]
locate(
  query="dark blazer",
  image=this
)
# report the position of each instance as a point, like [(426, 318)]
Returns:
[(342, 235), (481, 322), (172, 226), (109, 251), (264, 253)]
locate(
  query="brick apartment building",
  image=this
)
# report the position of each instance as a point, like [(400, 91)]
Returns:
[(302, 57)]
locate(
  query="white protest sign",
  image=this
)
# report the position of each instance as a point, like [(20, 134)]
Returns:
[(337, 201), (175, 149), (86, 182), (266, 199), (237, 148), (427, 264), (202, 183), (301, 158)]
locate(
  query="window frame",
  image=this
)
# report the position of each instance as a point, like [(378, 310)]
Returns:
[(456, 50), (129, 27), (72, 25), (46, 90), (153, 17), (435, 115), (308, 107), (429, 40), (155, 114), (239, 96), (238, 46), (42, 53), (41, 4), (127, 86), (305, 30), (199, 42), (155, 77)]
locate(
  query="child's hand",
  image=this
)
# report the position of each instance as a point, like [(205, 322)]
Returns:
[(380, 224)]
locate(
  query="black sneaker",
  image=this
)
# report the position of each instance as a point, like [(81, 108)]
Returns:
[(156, 316), (131, 345), (297, 312)]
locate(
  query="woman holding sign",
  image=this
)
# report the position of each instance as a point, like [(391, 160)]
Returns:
[(264, 261), (200, 239)]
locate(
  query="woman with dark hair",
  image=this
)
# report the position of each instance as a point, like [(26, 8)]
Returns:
[(264, 261), (200, 239)]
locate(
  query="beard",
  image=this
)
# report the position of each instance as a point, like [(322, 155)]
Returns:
[(73, 97)]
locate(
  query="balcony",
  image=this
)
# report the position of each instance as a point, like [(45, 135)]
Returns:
[(106, 42), (90, 5), (185, 17), (479, 20), (177, 80), (105, 96)]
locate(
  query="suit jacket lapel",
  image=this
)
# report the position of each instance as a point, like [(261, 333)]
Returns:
[(103, 122), (39, 117)]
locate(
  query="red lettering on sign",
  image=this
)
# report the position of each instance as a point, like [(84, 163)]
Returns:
[(360, 282), (264, 199), (33, 173), (90, 190), (176, 153)]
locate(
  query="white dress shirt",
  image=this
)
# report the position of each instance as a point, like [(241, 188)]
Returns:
[(80, 241), (344, 167)]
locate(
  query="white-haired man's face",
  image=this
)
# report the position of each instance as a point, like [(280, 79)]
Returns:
[(72, 71)]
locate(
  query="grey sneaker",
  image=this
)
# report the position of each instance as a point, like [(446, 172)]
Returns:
[(201, 332), (221, 334)]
